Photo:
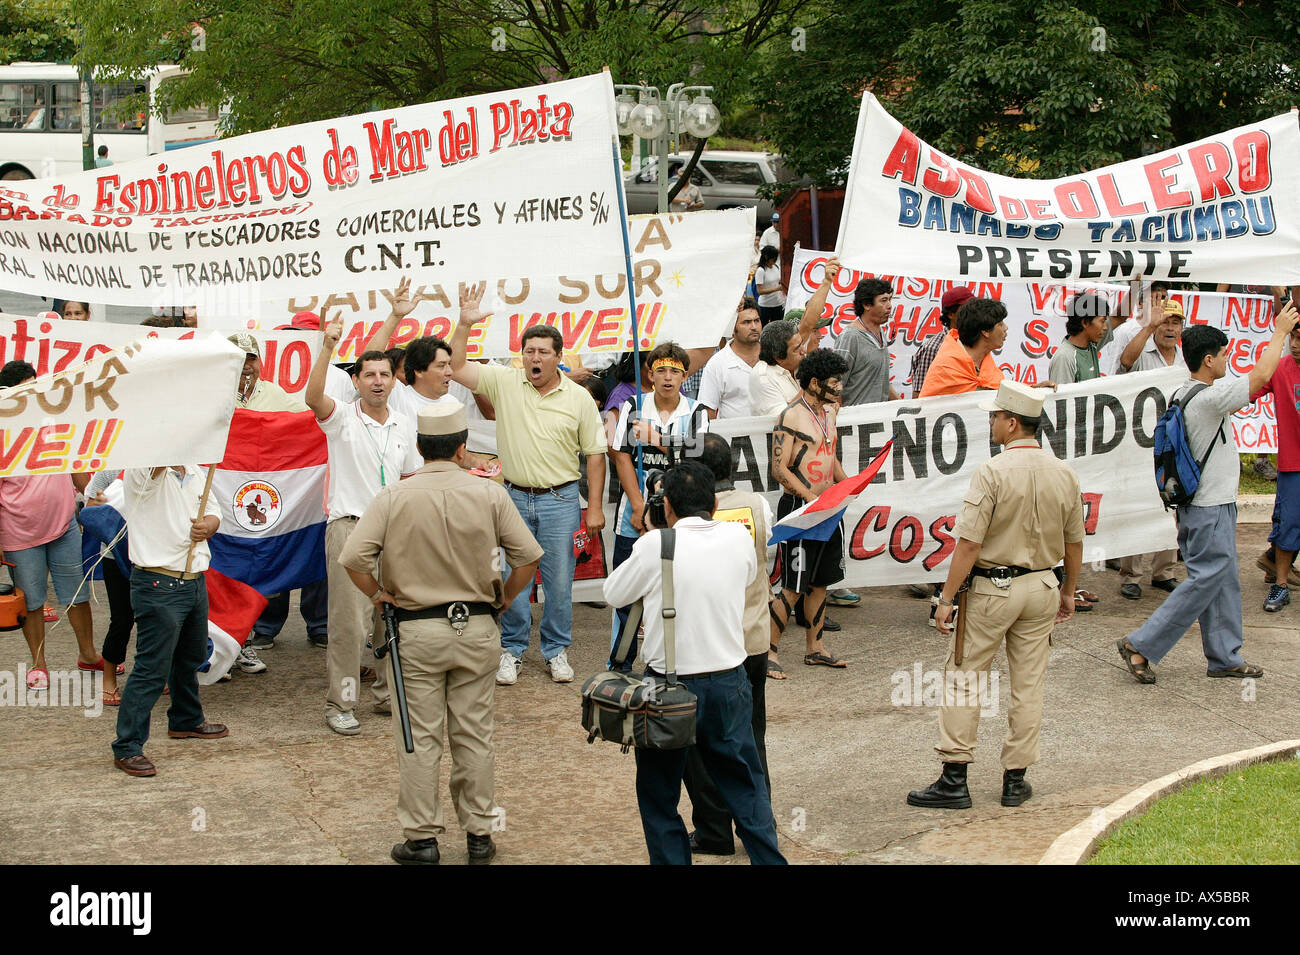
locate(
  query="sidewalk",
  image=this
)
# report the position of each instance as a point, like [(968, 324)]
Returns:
[(283, 788)]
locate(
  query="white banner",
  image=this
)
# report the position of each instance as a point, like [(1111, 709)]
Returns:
[(1222, 209), (689, 272), (1036, 326), (513, 183), (149, 404)]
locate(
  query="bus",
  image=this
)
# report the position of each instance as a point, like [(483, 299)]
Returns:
[(40, 120)]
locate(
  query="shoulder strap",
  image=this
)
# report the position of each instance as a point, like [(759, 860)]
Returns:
[(1183, 402), (667, 545), (624, 646)]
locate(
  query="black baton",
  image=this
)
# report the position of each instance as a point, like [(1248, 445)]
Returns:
[(399, 688)]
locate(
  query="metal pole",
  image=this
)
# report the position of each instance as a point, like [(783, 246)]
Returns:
[(87, 126), (631, 291)]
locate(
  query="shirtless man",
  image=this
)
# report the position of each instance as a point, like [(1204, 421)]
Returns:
[(804, 462)]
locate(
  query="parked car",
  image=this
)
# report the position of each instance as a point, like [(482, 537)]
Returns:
[(728, 179)]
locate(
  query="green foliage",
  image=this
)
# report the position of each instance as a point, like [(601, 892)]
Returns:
[(37, 30), (1033, 87)]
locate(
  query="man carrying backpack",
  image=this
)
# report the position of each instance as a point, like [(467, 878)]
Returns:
[(1207, 524)]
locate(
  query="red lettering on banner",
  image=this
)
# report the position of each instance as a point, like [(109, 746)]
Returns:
[(294, 366), (70, 352), (1211, 164), (1253, 172), (978, 194), (1091, 512), (1076, 200), (519, 325), (1116, 206), (903, 158), (875, 519), (440, 327), (947, 543), (910, 526), (1162, 183), (942, 180), (1013, 210), (50, 448), (1243, 354), (1036, 343), (395, 152), (604, 334), (13, 448), (573, 326), (1247, 313)]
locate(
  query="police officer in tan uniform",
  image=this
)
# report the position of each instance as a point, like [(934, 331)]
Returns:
[(1022, 514), (437, 541)]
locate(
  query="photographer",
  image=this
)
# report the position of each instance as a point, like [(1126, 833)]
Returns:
[(713, 564)]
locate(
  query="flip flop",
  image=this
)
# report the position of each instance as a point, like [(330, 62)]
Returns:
[(774, 671), (1081, 605), (113, 699), (38, 678), (823, 660), (99, 666), (1087, 595)]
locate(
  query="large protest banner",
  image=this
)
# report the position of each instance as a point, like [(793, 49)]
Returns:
[(1222, 209), (1036, 326), (148, 404), (689, 272), (502, 184)]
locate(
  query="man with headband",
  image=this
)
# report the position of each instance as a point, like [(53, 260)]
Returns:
[(663, 424)]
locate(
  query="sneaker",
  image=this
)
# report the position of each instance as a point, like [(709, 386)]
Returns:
[(508, 671), (248, 661), (318, 639), (1265, 469), (345, 724), (843, 598), (224, 678), (1278, 597), (260, 641), (561, 672)]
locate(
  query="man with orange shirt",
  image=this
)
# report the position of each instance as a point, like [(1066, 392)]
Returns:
[(965, 360)]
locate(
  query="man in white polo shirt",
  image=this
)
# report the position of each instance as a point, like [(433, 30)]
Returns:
[(370, 447), (724, 389), (713, 564)]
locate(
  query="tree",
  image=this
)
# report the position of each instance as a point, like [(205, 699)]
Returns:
[(1033, 87), (38, 30), (275, 62)]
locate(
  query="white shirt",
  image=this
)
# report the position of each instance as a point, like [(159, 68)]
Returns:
[(770, 237), (407, 402), (1108, 358), (365, 456), (159, 512), (764, 278), (725, 384), (713, 563), (687, 420), (771, 388)]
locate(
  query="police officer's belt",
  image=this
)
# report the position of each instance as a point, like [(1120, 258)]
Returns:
[(1004, 574), (538, 490), (443, 611)]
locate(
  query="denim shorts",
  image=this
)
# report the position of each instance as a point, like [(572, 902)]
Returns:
[(60, 559)]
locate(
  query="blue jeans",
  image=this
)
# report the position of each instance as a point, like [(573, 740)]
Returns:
[(553, 519), (622, 551), (725, 742), (171, 643), (313, 604)]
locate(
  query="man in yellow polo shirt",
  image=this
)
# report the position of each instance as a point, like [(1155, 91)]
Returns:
[(543, 421)]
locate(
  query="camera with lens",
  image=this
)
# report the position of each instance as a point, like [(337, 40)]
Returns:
[(653, 515)]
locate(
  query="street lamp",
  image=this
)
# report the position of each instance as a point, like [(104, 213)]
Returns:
[(660, 124)]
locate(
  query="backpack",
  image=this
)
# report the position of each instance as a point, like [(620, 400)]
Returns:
[(1178, 473)]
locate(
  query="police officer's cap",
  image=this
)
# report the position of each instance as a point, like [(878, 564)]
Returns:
[(245, 343), (1016, 398), (444, 417)]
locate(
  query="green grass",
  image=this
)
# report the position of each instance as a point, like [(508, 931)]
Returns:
[(1247, 817), (1252, 483)]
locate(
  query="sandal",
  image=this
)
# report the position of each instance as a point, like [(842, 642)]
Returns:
[(99, 666), (821, 659), (38, 678), (1087, 595), (1142, 672), (774, 671), (1081, 605), (113, 699), (1247, 671)]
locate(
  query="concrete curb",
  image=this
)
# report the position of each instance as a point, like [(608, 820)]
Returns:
[(1255, 509), (1075, 846)]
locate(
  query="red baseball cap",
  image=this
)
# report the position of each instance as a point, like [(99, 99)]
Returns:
[(954, 297), (304, 321)]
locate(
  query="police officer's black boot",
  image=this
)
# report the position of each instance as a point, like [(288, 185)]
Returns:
[(481, 848), (1014, 788), (947, 792), (420, 852)]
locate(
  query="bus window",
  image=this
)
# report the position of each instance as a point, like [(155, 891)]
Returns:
[(22, 106), (67, 107), (112, 113), (188, 114)]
